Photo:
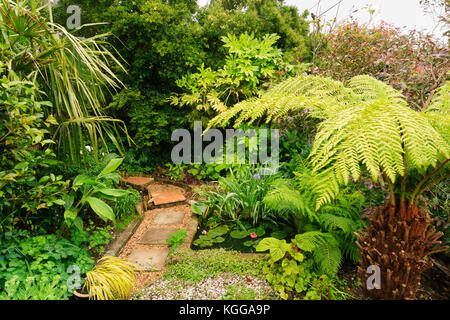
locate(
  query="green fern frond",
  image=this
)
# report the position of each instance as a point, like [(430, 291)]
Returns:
[(438, 113), (332, 222), (284, 197), (328, 258), (325, 249), (317, 96), (309, 241)]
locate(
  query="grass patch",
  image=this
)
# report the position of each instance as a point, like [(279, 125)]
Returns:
[(194, 266)]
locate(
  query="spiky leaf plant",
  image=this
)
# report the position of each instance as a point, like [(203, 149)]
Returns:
[(112, 278), (73, 71), (367, 125)]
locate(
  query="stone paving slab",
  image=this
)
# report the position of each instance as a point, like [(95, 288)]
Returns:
[(167, 197), (149, 259), (139, 181), (157, 236), (169, 218)]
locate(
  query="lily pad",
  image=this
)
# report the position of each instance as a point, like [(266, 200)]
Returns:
[(218, 240), (239, 234)]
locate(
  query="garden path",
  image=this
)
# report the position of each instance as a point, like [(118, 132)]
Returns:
[(166, 210)]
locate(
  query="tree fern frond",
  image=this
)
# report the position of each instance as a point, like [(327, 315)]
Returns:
[(369, 88), (438, 113), (317, 96)]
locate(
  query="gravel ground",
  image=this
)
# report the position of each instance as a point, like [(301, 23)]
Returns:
[(224, 286)]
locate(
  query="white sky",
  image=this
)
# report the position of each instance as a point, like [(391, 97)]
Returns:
[(400, 13)]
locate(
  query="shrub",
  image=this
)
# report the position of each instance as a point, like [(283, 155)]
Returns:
[(26, 191), (415, 63), (249, 63), (112, 278)]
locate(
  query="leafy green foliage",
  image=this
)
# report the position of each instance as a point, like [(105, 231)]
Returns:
[(336, 221), (367, 123), (143, 33), (249, 62), (202, 171), (126, 205), (26, 190), (112, 278), (30, 263), (31, 289), (195, 266), (94, 237), (176, 239), (92, 192), (292, 271), (413, 63), (239, 197), (212, 236), (72, 70)]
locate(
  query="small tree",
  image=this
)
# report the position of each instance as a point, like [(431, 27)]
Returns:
[(369, 126)]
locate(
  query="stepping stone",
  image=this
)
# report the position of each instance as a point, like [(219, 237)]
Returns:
[(157, 236), (149, 259), (167, 197), (169, 218), (139, 181)]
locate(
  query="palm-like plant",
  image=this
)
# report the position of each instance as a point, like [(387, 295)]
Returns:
[(73, 72), (367, 125)]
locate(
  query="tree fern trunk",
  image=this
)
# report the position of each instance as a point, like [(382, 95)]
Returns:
[(399, 245)]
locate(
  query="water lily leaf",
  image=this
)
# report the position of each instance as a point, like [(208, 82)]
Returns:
[(218, 240), (239, 234)]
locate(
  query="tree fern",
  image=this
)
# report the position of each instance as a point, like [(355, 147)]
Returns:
[(367, 125)]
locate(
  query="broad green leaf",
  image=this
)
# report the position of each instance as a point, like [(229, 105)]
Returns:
[(101, 208), (239, 234), (112, 176), (277, 248), (78, 223), (111, 166), (298, 256), (59, 202), (70, 215), (83, 179), (199, 208), (68, 201), (217, 231), (114, 192)]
